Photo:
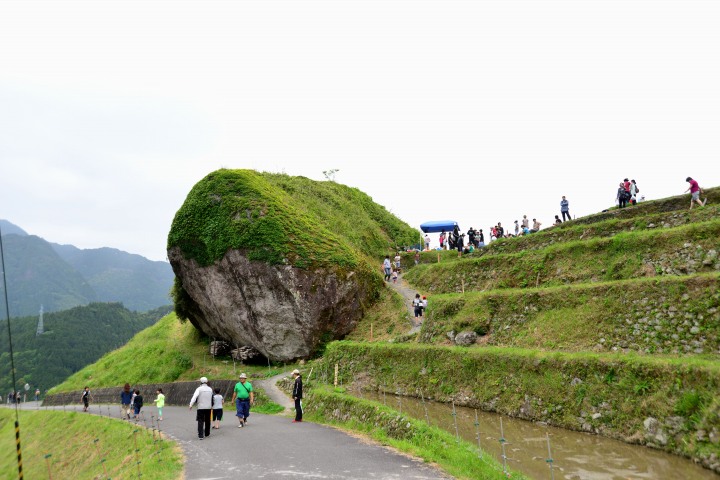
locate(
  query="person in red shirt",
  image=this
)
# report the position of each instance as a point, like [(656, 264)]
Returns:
[(695, 192)]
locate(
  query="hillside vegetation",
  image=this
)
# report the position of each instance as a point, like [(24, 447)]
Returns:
[(168, 351), (279, 219), (73, 339), (608, 324)]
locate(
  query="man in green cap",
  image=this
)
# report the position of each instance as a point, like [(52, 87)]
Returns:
[(244, 398)]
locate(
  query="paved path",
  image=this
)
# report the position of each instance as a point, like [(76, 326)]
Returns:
[(403, 288), (273, 447)]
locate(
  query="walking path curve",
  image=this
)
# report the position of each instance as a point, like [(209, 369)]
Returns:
[(273, 447), (402, 287)]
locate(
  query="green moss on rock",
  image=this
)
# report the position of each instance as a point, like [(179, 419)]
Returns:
[(279, 219)]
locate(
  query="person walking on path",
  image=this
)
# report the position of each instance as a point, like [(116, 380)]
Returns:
[(203, 396), (427, 242), (297, 395), (137, 403), (125, 399), (243, 398), (217, 408), (159, 402), (695, 192), (37, 395), (418, 309), (565, 208), (85, 399), (387, 267)]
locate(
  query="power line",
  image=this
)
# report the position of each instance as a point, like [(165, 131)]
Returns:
[(12, 362)]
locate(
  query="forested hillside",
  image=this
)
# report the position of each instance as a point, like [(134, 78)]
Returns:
[(72, 339)]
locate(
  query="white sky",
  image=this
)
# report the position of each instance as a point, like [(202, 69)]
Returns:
[(477, 111)]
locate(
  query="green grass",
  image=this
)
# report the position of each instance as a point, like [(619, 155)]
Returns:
[(458, 458), (578, 317), (78, 445), (626, 255), (169, 351), (624, 388)]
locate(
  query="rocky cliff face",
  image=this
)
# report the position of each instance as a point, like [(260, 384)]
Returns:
[(283, 311)]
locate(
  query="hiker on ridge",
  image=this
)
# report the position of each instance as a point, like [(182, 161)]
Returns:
[(565, 208), (695, 192)]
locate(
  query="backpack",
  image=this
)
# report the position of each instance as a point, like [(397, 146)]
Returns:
[(637, 190)]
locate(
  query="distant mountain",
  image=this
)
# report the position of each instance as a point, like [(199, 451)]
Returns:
[(117, 276), (63, 276), (36, 275), (10, 228)]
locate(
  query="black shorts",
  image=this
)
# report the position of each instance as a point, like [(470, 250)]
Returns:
[(217, 413), (418, 311)]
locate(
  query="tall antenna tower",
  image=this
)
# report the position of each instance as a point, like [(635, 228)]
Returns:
[(41, 327)]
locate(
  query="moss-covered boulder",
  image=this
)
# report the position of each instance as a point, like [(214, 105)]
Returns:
[(280, 263)]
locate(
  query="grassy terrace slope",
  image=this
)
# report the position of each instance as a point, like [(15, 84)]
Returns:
[(81, 446), (608, 324), (168, 351)]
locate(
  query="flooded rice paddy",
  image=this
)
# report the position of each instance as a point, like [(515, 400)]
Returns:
[(575, 455)]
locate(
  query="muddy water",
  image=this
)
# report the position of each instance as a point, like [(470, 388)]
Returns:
[(576, 456)]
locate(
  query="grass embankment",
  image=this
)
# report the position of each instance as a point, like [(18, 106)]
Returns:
[(459, 458), (82, 446), (611, 394), (387, 319), (680, 250), (573, 231), (169, 351), (651, 315)]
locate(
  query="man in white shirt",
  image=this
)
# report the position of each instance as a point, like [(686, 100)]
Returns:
[(203, 396)]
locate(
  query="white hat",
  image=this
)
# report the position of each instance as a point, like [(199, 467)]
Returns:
[(296, 372), (203, 379), (242, 375)]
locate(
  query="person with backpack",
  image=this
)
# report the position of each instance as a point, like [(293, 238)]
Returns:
[(417, 304), (633, 192), (243, 398), (85, 399), (565, 209), (137, 403)]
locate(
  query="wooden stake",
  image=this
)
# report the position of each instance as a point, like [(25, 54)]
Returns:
[(463, 285), (336, 375), (537, 280), (371, 331)]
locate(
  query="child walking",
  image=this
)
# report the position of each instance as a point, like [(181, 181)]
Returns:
[(137, 403), (217, 408), (159, 402)]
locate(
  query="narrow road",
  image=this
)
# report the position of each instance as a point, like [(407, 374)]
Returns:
[(403, 288), (273, 447)]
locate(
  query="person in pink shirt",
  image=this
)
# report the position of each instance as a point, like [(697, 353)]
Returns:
[(695, 192)]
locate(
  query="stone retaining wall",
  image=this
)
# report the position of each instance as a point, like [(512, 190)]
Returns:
[(178, 393)]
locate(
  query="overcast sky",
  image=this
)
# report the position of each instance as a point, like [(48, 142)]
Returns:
[(475, 111)]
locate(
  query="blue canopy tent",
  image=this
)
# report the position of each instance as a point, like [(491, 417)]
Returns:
[(438, 226)]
